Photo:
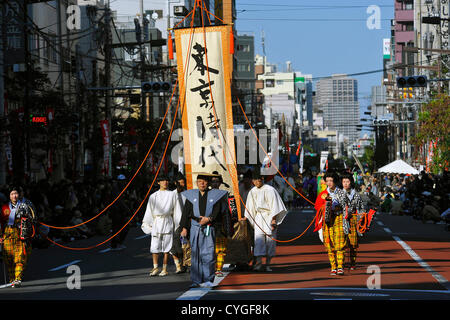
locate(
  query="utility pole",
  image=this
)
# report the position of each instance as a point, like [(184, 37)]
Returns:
[(138, 24), (60, 48), (26, 110), (79, 111), (108, 82), (95, 123), (2, 93)]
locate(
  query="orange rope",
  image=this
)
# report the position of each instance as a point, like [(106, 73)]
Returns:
[(137, 210), (223, 151), (183, 19), (159, 167), (142, 163), (135, 174), (253, 130), (363, 223)]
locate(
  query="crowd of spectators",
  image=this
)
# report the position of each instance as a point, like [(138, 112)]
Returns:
[(424, 197), (65, 203)]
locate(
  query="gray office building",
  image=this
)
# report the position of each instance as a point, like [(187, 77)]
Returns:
[(338, 99), (244, 71)]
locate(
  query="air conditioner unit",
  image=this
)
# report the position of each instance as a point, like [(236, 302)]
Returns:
[(180, 11)]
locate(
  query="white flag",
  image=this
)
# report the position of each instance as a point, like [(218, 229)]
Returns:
[(301, 160)]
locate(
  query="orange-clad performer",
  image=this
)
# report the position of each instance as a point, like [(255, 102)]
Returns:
[(330, 205), (18, 220)]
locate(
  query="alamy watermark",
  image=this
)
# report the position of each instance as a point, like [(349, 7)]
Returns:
[(374, 20), (250, 150), (74, 280), (74, 13), (374, 280)]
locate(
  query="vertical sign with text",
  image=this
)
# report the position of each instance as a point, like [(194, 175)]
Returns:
[(205, 94)]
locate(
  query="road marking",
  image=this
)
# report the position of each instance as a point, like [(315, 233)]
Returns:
[(65, 265), (380, 223), (337, 288), (198, 293), (387, 230), (332, 299), (444, 282), (105, 250), (142, 237)]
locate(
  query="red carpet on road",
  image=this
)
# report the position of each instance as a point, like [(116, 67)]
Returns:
[(307, 266)]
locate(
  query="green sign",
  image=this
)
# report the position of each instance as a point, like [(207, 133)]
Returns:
[(299, 79)]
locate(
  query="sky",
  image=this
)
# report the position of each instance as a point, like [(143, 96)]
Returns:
[(319, 37)]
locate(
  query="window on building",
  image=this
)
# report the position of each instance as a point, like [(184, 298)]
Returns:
[(244, 47), (280, 82), (270, 83), (245, 67)]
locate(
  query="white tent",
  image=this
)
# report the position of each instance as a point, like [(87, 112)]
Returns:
[(398, 166)]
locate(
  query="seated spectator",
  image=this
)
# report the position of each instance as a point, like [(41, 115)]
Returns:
[(83, 231), (429, 212), (396, 206)]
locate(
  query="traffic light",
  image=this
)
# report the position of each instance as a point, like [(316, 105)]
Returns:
[(380, 122), (156, 86), (412, 81)]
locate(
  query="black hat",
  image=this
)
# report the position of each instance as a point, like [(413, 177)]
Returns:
[(16, 188), (256, 174), (248, 174), (180, 176), (162, 177), (204, 176), (216, 175)]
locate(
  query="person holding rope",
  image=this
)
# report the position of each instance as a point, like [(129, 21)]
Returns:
[(332, 203), (241, 243), (355, 210), (158, 221), (201, 215), (223, 228), (18, 226), (265, 210)]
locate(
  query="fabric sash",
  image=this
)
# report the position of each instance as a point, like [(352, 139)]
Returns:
[(12, 214)]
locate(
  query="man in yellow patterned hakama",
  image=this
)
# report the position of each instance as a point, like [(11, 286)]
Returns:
[(14, 235)]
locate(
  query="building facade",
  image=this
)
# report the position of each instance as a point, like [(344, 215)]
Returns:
[(337, 96)]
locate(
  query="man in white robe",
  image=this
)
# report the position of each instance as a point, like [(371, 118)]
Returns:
[(158, 221), (265, 210)]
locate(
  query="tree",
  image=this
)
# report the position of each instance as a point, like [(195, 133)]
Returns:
[(368, 156), (434, 127)]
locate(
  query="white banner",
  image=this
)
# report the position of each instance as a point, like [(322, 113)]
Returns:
[(323, 160), (205, 90), (302, 154)]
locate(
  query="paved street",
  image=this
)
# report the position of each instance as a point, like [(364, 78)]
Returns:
[(413, 260)]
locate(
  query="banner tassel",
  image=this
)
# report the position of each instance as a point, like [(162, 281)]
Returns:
[(170, 46), (231, 42)]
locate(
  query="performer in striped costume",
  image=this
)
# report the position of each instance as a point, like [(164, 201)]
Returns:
[(355, 210), (332, 202), (14, 236)]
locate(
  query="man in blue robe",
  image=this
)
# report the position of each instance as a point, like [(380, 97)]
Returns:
[(201, 213)]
